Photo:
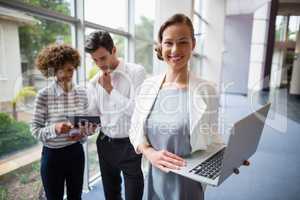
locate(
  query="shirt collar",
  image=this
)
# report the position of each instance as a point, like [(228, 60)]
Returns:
[(120, 66), (58, 89)]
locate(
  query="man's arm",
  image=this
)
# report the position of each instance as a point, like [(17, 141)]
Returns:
[(127, 103), (93, 107)]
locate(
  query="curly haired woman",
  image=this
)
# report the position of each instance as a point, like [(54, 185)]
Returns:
[(62, 155)]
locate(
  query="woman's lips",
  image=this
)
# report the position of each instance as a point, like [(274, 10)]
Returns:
[(175, 58)]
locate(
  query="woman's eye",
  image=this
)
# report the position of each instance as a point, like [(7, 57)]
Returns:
[(183, 42), (168, 43)]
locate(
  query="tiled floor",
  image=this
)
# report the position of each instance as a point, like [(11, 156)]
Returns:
[(274, 171)]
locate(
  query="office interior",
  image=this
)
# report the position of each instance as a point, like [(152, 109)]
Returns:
[(249, 48)]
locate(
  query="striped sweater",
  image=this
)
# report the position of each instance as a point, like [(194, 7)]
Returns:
[(53, 105)]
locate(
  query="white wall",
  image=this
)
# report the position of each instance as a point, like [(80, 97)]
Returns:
[(163, 10), (236, 59), (261, 11), (11, 80)]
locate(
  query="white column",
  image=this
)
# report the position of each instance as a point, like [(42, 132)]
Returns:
[(295, 81), (213, 47)]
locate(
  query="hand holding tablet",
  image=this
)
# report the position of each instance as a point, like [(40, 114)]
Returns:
[(84, 125)]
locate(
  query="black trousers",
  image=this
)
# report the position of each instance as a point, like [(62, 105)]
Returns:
[(116, 156), (63, 165)]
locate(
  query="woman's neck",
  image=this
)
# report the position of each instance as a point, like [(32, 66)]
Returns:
[(179, 78), (66, 86)]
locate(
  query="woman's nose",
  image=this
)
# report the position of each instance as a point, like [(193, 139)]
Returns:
[(174, 48)]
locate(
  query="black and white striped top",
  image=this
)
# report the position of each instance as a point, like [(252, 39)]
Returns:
[(53, 105)]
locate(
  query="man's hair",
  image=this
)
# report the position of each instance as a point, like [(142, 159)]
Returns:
[(174, 19), (53, 57), (98, 39)]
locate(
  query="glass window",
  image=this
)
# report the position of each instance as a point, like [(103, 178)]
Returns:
[(107, 13), (294, 25), (33, 39), (24, 80), (65, 7), (2, 50), (280, 28), (23, 183), (144, 54), (93, 161), (199, 26), (144, 19), (144, 27)]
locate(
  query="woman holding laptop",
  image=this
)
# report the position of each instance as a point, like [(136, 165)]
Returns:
[(176, 114)]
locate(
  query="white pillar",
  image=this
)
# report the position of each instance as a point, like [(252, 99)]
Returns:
[(213, 47), (295, 81)]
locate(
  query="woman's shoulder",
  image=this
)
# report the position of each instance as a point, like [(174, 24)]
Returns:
[(154, 78), (203, 84), (152, 81), (45, 91)]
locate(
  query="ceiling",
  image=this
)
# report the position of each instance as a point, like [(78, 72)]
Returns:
[(289, 7)]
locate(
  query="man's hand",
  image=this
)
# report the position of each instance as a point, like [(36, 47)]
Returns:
[(87, 129), (105, 81), (63, 127)]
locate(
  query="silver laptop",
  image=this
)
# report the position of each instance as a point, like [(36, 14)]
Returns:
[(219, 161)]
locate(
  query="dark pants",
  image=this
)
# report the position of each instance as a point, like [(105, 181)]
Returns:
[(116, 156), (63, 165)]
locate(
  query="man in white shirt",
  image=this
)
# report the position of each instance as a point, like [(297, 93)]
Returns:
[(111, 95)]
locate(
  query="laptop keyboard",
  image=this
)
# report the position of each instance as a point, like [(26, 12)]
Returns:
[(211, 167)]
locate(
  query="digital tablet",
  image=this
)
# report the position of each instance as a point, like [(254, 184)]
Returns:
[(75, 120)]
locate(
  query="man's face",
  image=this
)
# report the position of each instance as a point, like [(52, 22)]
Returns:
[(103, 58)]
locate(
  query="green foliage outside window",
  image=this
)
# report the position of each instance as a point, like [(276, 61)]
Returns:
[(34, 37), (144, 46), (14, 135)]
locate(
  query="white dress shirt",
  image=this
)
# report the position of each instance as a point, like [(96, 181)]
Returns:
[(115, 109)]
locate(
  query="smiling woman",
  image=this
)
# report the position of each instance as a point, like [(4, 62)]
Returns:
[(166, 114)]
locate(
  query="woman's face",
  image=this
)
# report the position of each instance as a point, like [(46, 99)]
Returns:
[(65, 74), (177, 46)]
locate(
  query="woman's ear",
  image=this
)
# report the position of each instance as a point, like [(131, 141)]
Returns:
[(194, 43), (114, 50)]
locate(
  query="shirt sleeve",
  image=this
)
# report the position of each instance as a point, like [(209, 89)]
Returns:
[(92, 107), (38, 125), (128, 102)]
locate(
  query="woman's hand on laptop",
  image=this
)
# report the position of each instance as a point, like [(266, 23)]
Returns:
[(163, 159)]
